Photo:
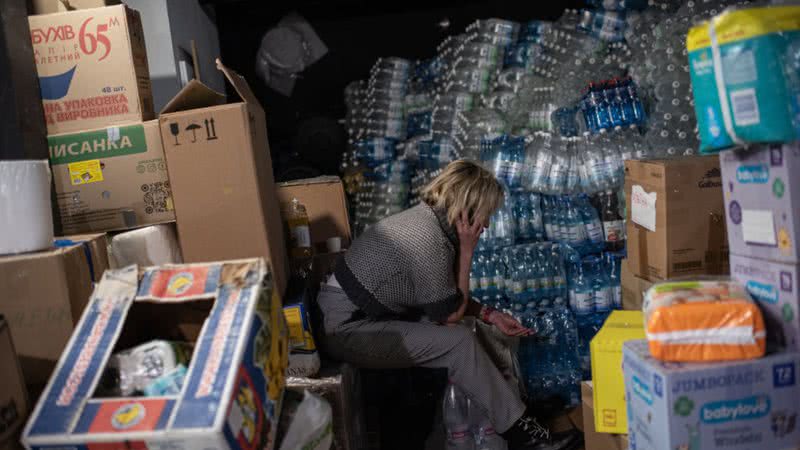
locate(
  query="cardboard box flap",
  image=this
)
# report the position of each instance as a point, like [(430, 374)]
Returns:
[(239, 84), (194, 95), (197, 95), (316, 180)]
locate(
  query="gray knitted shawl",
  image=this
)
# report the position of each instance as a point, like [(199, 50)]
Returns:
[(403, 267)]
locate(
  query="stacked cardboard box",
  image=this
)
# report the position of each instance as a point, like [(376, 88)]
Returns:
[(13, 396), (105, 150), (591, 438), (740, 404), (674, 218), (220, 172), (44, 294), (633, 288), (761, 205), (610, 415)]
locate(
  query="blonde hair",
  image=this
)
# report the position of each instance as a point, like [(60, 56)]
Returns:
[(465, 186)]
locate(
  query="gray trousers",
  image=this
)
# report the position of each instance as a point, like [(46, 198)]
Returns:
[(396, 344)]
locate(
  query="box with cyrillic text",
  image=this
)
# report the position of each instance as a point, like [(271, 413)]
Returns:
[(92, 67)]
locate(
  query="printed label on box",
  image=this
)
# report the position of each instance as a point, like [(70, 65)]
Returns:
[(85, 172), (758, 227), (643, 207)]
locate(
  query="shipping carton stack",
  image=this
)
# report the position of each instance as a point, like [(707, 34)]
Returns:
[(675, 224), (105, 149), (762, 203), (740, 404), (44, 294), (674, 218), (13, 394)]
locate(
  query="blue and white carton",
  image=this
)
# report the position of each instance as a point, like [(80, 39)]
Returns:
[(743, 405), (775, 287), (744, 70), (232, 393)]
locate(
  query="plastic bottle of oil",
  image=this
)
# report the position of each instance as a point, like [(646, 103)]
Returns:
[(299, 231)]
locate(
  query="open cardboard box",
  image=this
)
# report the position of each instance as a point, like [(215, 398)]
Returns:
[(230, 396), (220, 171)]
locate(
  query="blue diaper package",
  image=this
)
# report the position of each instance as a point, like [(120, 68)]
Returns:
[(745, 71)]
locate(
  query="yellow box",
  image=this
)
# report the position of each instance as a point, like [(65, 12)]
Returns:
[(610, 415)]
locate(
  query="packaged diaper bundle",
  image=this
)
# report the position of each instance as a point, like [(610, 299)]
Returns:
[(745, 71), (694, 321)]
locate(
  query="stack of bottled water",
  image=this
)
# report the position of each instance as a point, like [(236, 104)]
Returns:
[(520, 277), (384, 192), (594, 291), (549, 359), (467, 424), (553, 109)]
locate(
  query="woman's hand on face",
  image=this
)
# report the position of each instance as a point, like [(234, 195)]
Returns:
[(468, 233), (508, 325)]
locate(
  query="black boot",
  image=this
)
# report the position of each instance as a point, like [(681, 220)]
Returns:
[(528, 434)]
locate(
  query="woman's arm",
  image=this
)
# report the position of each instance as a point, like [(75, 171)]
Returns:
[(468, 239)]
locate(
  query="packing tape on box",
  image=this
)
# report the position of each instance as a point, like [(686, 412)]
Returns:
[(26, 220), (149, 246)]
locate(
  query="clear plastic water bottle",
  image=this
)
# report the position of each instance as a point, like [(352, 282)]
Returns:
[(613, 267), (596, 166), (596, 103), (559, 169), (561, 220), (486, 273), (560, 289), (539, 160), (536, 220), (545, 273), (522, 216), (486, 438), (613, 103), (498, 274), (532, 286), (551, 229), (613, 160), (455, 410), (580, 291), (592, 223), (602, 294)]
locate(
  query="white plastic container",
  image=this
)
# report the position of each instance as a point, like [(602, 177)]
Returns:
[(26, 217)]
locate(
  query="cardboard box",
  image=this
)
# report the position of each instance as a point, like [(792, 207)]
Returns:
[(220, 171), (92, 67), (633, 288), (606, 352), (44, 294), (326, 205), (111, 178), (95, 247), (680, 202), (234, 383), (743, 404), (762, 201), (13, 395), (774, 286), (54, 6), (591, 438)]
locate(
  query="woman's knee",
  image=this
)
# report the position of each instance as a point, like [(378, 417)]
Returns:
[(463, 339)]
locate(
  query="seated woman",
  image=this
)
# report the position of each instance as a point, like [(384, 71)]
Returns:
[(398, 294)]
